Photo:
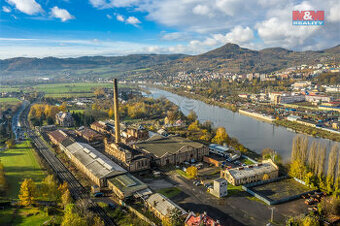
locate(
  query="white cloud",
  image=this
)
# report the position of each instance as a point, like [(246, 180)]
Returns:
[(62, 14), (6, 9), (30, 7), (334, 15), (132, 20), (108, 16), (120, 18), (201, 10)]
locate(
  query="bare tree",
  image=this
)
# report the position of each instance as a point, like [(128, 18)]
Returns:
[(303, 148), (321, 160), (312, 156), (331, 170)]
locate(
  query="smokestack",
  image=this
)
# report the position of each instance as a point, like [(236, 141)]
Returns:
[(115, 101)]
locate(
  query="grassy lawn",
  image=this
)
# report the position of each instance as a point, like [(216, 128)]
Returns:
[(68, 95), (182, 173), (9, 100), (77, 111), (169, 192), (23, 216), (20, 162), (246, 161), (233, 190)]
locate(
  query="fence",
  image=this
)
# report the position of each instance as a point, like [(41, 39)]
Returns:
[(268, 201)]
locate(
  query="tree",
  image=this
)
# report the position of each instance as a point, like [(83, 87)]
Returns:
[(297, 169), (111, 113), (265, 177), (174, 218), (10, 143), (71, 217), (63, 187), (28, 192), (97, 221), (50, 188), (321, 161), (331, 171), (312, 156), (99, 92), (192, 171), (66, 198), (3, 184), (194, 126), (221, 136), (192, 116)]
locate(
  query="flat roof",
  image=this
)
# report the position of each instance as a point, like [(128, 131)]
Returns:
[(159, 145), (127, 184)]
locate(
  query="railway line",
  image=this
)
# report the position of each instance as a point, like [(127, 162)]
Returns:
[(76, 189)]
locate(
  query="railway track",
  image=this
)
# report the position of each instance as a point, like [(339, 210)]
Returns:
[(76, 189)]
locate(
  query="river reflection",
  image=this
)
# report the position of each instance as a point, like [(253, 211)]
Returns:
[(254, 134)]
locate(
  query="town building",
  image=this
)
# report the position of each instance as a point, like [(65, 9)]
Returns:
[(57, 136), (251, 173), (220, 188), (131, 159), (171, 150), (288, 99), (200, 219), (64, 119), (89, 134), (100, 127), (318, 98), (161, 206)]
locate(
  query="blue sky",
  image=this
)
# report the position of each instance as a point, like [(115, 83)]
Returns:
[(70, 28)]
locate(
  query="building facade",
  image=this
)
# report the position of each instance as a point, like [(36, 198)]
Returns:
[(64, 119), (172, 150), (251, 173), (132, 160)]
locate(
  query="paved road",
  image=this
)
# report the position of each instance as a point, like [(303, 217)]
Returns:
[(231, 211)]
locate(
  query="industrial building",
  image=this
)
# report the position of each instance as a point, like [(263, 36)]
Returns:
[(94, 164), (251, 173), (132, 159), (89, 134), (57, 136), (171, 149), (161, 206)]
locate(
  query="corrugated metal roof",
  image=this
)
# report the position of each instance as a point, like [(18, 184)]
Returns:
[(163, 204), (96, 162)]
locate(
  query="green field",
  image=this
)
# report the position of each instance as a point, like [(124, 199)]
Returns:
[(23, 216), (70, 87), (20, 162), (9, 100), (169, 192)]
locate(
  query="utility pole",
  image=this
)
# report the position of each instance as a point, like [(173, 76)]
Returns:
[(272, 215)]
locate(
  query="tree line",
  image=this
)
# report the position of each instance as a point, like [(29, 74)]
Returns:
[(310, 164)]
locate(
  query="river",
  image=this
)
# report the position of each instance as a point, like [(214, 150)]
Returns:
[(252, 133)]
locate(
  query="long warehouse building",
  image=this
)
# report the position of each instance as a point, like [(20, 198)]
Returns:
[(94, 164)]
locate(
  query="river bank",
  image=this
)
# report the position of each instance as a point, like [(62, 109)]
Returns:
[(297, 128), (254, 134)]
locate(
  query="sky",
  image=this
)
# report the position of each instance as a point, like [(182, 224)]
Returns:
[(72, 28)]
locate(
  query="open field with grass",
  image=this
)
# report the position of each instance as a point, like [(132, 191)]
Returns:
[(10, 100), (70, 87), (20, 162), (23, 216), (281, 189)]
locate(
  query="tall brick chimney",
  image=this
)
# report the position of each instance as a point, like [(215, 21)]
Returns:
[(115, 102)]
